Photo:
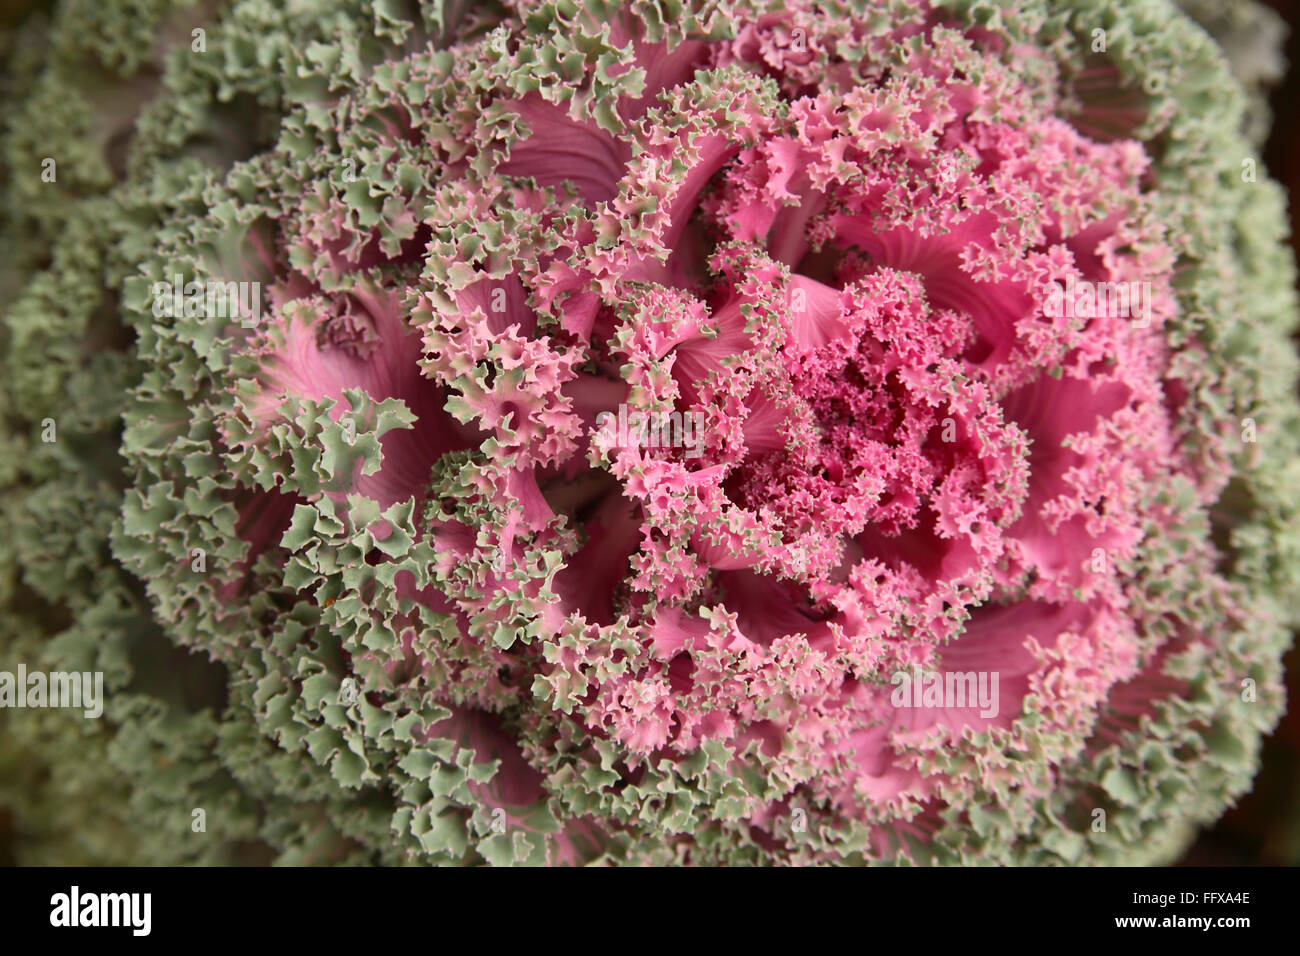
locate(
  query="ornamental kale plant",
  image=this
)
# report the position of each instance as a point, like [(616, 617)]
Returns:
[(567, 431)]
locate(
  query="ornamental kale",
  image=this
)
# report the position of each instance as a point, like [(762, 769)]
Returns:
[(722, 431)]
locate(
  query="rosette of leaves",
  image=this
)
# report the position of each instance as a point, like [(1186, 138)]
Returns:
[(459, 616)]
